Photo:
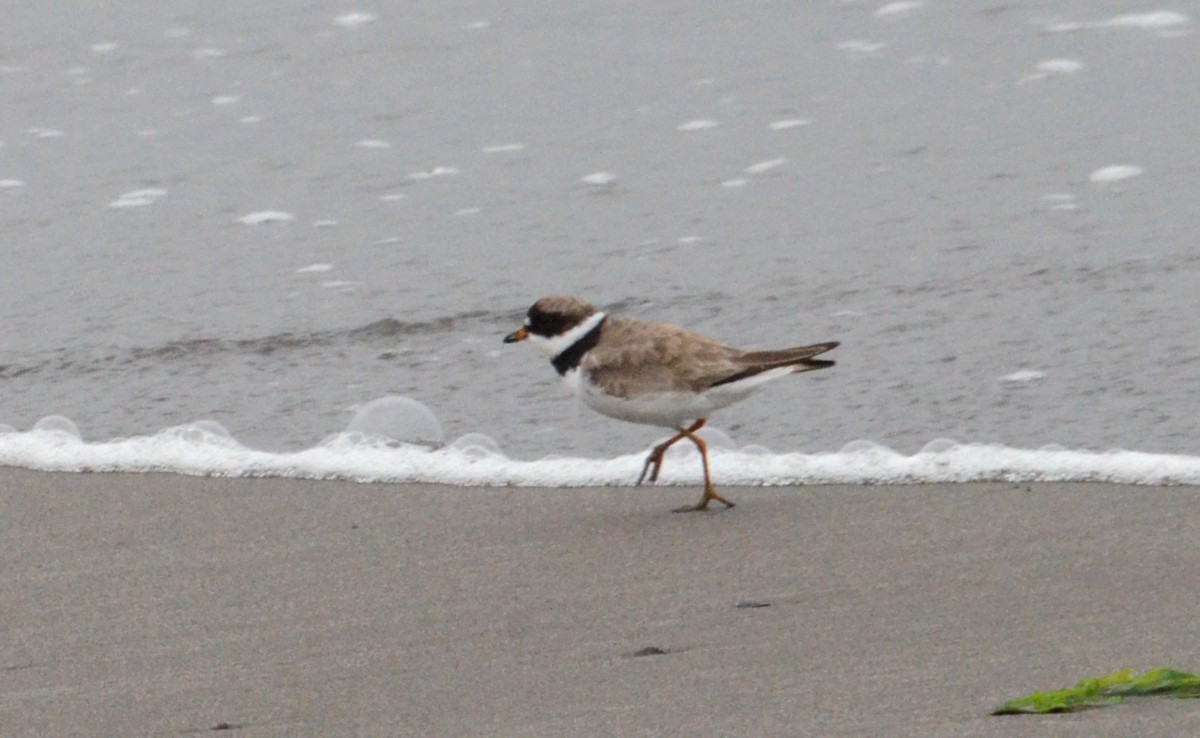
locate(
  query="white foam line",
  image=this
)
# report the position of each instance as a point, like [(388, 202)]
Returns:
[(344, 458)]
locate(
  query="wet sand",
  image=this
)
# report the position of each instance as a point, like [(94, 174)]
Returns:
[(168, 605)]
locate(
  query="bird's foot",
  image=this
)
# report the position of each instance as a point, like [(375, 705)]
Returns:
[(709, 495)]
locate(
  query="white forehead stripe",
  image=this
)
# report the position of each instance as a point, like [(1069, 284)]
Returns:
[(555, 345)]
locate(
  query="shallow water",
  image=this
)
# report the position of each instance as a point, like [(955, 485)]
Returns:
[(270, 219)]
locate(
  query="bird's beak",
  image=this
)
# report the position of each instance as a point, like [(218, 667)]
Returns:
[(518, 335)]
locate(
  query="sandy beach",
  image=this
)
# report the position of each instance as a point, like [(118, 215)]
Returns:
[(168, 605)]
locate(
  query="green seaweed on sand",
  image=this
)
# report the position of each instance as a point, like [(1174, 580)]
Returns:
[(1104, 691)]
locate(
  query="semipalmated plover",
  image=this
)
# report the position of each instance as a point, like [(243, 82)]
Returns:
[(653, 373)]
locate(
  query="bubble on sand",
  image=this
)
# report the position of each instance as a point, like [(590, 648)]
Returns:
[(266, 216), (1115, 173), (57, 424), (400, 419), (697, 125), (476, 446)]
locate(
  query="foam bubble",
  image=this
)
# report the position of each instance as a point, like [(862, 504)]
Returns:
[(599, 179), (354, 20), (57, 424), (1060, 66), (1023, 375), (764, 166), (399, 418), (435, 172), (201, 432), (783, 125), (1152, 21), (860, 47), (138, 198), (939, 446), (1115, 173), (899, 8), (266, 216), (475, 446)]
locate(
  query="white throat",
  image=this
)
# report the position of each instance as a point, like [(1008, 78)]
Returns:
[(555, 345)]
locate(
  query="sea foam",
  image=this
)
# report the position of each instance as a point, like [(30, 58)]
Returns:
[(475, 460)]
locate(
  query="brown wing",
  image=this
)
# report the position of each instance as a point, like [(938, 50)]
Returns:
[(634, 358), (800, 357)]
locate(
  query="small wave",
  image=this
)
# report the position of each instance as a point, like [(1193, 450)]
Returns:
[(200, 450)]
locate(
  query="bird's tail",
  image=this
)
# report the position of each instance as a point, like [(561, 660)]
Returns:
[(800, 357)]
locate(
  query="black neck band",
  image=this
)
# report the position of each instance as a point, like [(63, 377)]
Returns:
[(573, 354)]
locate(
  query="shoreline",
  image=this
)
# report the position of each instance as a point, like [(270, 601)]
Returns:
[(161, 604)]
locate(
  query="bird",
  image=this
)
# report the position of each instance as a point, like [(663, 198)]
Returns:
[(654, 373)]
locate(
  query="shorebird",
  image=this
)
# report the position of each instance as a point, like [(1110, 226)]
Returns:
[(653, 373)]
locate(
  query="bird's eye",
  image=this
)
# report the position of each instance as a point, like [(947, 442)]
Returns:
[(528, 321)]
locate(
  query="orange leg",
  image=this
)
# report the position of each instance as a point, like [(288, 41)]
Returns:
[(709, 492), (655, 458)]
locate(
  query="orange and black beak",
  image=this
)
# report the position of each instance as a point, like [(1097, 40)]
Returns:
[(518, 335)]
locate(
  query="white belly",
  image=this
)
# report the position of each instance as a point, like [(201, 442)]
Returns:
[(667, 409)]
